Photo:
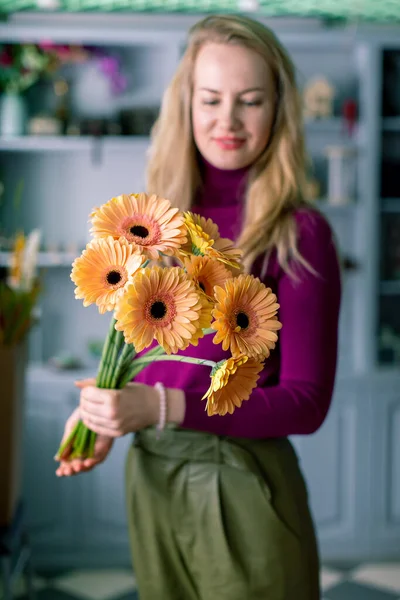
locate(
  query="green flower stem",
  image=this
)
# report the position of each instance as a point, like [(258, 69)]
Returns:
[(92, 441), (117, 347), (72, 436), (126, 356), (105, 355), (132, 369), (209, 331), (142, 360)]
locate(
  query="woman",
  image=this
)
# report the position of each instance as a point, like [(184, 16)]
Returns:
[(217, 505)]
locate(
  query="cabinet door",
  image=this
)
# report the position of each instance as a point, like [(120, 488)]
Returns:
[(385, 458), (333, 462), (105, 527), (52, 506)]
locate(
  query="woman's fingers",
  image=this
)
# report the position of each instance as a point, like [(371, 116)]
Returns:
[(103, 430), (66, 469), (81, 383), (90, 419), (97, 395)]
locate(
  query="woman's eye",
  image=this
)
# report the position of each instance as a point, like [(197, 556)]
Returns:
[(210, 102), (251, 102)]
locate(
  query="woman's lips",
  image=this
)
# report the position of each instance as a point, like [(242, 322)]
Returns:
[(226, 143)]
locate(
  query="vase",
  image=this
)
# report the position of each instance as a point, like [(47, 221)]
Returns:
[(12, 115), (12, 376)]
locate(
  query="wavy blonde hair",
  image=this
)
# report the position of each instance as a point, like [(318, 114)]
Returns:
[(277, 180)]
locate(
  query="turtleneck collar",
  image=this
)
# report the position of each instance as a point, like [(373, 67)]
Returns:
[(221, 187)]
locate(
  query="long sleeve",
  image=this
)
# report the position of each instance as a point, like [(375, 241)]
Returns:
[(299, 399)]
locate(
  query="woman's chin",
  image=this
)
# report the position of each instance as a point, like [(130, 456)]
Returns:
[(228, 160)]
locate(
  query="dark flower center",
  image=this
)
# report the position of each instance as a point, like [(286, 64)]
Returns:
[(139, 231), (158, 310), (242, 320), (113, 277)]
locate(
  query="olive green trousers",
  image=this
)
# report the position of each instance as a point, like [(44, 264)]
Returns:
[(214, 518)]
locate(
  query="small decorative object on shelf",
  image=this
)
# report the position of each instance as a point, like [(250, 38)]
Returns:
[(44, 125), (342, 174), (13, 114), (318, 96), (350, 114)]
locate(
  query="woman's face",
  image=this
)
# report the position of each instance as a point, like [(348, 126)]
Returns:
[(233, 105)]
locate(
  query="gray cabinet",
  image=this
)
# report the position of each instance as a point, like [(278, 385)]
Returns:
[(333, 462), (385, 464), (49, 500), (77, 520)]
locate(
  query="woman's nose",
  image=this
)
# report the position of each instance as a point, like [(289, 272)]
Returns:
[(229, 115)]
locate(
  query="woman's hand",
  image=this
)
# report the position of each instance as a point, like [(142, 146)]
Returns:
[(102, 446), (114, 413)]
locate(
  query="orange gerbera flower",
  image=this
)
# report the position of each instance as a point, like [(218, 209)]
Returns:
[(161, 304), (204, 240), (103, 270), (245, 317), (148, 221), (206, 273), (232, 382)]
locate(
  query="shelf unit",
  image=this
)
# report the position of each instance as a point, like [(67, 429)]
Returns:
[(80, 172), (389, 208), (355, 502)]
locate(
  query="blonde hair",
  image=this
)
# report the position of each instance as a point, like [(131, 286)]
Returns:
[(277, 180)]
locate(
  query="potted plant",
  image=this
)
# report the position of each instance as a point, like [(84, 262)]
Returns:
[(19, 290)]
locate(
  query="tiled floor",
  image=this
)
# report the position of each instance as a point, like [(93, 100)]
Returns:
[(365, 582)]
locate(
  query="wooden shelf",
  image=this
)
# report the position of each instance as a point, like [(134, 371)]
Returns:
[(37, 143), (45, 259)]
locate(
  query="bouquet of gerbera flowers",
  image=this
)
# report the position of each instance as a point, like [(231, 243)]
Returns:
[(124, 270)]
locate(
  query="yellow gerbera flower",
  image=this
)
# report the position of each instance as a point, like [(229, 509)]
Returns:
[(161, 304), (204, 240), (245, 317), (205, 319), (206, 273), (148, 221), (232, 382), (103, 270), (17, 261)]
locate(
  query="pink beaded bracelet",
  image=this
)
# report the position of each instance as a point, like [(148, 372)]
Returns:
[(163, 406)]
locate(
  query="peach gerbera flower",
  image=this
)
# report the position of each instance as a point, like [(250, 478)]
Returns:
[(161, 304), (204, 240), (206, 273), (103, 270), (245, 317), (232, 382), (148, 221)]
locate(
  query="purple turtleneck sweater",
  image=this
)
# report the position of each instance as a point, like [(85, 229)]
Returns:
[(295, 387)]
